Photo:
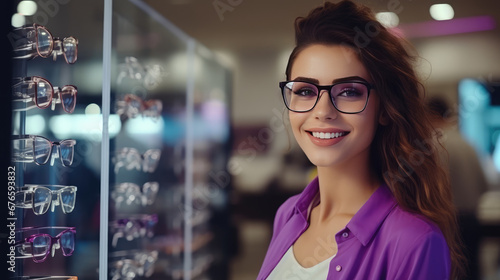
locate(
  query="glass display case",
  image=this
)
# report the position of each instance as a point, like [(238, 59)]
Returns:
[(119, 142)]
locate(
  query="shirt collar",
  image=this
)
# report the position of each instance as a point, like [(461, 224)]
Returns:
[(306, 197), (365, 223), (372, 214)]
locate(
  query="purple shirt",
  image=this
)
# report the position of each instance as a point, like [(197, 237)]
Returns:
[(382, 241)]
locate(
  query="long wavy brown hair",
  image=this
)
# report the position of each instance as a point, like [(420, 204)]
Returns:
[(404, 152)]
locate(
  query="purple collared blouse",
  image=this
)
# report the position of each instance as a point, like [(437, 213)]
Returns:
[(382, 241)]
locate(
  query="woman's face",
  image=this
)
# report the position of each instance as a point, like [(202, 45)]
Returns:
[(325, 65)]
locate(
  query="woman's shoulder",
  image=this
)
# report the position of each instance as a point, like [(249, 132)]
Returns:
[(410, 230), (415, 246), (408, 223)]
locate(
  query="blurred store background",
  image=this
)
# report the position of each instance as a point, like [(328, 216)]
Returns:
[(459, 45), (457, 40)]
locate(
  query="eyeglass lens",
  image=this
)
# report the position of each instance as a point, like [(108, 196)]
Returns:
[(42, 150), (70, 49), (40, 246), (67, 241), (151, 160), (349, 97), (42, 197), (44, 41), (43, 93), (68, 98)]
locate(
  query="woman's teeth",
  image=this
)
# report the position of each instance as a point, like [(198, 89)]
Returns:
[(326, 135)]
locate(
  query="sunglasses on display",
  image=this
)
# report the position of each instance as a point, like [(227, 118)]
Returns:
[(40, 42), (40, 91), (136, 226), (131, 106), (348, 97), (41, 198), (44, 278), (130, 158), (38, 149), (132, 264), (130, 193), (38, 245)]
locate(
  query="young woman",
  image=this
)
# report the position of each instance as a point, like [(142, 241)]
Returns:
[(380, 207)]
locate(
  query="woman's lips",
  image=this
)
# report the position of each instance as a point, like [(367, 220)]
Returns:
[(327, 138)]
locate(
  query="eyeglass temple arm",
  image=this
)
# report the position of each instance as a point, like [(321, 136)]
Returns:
[(24, 249), (23, 200), (19, 96), (116, 236), (23, 152), (25, 155), (31, 46)]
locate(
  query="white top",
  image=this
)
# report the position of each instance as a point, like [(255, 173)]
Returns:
[(289, 268)]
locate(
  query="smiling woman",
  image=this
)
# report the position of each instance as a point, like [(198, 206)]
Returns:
[(375, 210)]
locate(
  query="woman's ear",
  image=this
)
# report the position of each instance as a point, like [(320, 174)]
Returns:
[(383, 118)]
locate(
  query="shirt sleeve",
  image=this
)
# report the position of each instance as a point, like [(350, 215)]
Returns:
[(427, 259)]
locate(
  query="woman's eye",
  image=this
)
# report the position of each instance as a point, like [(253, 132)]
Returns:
[(349, 92), (305, 92)]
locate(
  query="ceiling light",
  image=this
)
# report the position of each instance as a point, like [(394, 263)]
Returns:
[(27, 8), (442, 11), (18, 20), (388, 19)]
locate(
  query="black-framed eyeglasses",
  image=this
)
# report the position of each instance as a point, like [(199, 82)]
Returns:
[(348, 97)]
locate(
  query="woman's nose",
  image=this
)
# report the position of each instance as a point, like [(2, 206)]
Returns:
[(324, 108)]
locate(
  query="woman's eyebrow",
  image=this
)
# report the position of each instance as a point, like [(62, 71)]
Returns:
[(307, 80), (344, 79), (349, 79)]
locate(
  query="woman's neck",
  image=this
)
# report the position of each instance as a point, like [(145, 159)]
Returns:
[(344, 189)]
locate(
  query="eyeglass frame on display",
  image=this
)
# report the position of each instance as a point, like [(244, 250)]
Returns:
[(124, 153), (34, 80), (30, 189), (143, 225), (29, 240), (22, 157), (34, 45), (124, 107), (124, 188), (132, 257), (328, 88), (149, 75)]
